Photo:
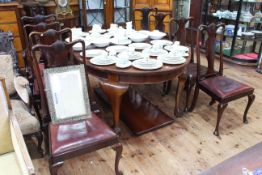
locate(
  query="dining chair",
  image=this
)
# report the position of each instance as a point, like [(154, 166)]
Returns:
[(219, 87), (29, 20), (145, 13), (159, 20), (97, 134), (178, 31), (19, 91)]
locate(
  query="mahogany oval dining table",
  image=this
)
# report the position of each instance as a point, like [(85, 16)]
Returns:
[(138, 114)]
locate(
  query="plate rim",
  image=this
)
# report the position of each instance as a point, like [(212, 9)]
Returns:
[(92, 62), (154, 68)]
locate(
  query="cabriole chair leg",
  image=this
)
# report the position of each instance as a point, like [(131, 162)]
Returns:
[(220, 109), (251, 99), (118, 148)]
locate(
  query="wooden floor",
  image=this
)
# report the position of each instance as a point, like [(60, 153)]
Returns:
[(185, 147)]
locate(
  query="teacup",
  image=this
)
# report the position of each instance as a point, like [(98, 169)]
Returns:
[(129, 25), (156, 47), (123, 60), (113, 27), (96, 27), (178, 52)]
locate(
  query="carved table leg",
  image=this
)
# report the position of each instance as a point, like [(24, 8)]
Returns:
[(179, 91), (114, 93)]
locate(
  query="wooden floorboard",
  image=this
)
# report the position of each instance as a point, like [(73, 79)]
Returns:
[(187, 146)]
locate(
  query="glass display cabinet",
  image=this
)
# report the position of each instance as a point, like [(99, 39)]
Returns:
[(104, 12), (243, 33)]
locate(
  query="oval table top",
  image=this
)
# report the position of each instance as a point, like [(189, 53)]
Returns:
[(132, 75)]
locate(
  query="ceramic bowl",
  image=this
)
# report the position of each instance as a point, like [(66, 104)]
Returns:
[(156, 35), (101, 42), (138, 37)]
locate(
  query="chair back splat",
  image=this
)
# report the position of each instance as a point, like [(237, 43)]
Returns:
[(180, 33), (210, 38), (159, 20), (145, 13)]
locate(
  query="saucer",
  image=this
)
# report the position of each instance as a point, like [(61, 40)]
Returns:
[(94, 52), (122, 66), (147, 64), (117, 48), (120, 42), (130, 55), (102, 60), (154, 52), (140, 46)]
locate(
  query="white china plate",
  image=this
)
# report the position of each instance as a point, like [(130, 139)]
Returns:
[(140, 46), (131, 55), (121, 42), (94, 52), (77, 47), (162, 42), (147, 64), (98, 31), (117, 48), (171, 60), (170, 48), (102, 60), (154, 53), (122, 66)]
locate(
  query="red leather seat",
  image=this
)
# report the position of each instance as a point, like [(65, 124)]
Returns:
[(71, 136), (192, 70), (224, 87)]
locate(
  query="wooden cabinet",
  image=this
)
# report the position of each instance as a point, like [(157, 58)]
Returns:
[(162, 5), (10, 21)]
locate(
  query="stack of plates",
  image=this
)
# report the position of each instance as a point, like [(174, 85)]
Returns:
[(171, 59), (162, 42), (130, 55), (147, 64), (117, 48), (140, 46), (94, 52), (120, 41), (177, 47), (103, 60), (154, 52)]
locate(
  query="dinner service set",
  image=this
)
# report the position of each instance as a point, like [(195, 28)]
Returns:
[(245, 15), (123, 53)]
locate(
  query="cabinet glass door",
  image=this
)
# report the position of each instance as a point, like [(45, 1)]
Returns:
[(95, 12), (121, 11)]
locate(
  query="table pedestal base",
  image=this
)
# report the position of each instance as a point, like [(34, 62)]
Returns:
[(139, 114)]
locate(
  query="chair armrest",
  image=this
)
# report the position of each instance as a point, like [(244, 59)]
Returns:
[(21, 84), (22, 154)]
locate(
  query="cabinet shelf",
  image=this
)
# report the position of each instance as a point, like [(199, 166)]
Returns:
[(234, 40)]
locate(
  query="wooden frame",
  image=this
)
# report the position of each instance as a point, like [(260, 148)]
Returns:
[(61, 103), (17, 137)]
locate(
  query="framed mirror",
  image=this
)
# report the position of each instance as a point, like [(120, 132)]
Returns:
[(66, 92)]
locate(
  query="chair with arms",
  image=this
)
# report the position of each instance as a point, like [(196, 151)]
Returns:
[(221, 88), (14, 157), (20, 93), (96, 134)]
